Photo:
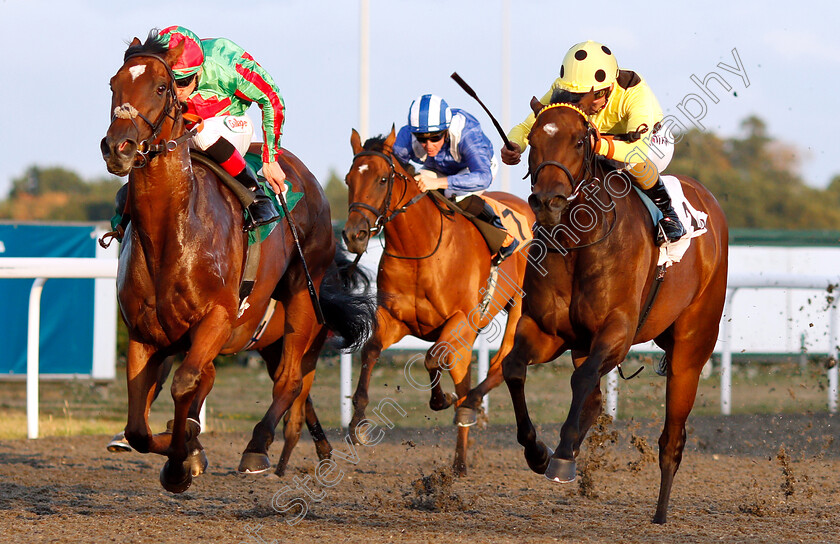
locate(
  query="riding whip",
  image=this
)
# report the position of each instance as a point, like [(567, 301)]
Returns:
[(471, 92), (319, 314)]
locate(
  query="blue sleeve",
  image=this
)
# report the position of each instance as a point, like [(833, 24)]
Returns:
[(476, 153), (402, 145)]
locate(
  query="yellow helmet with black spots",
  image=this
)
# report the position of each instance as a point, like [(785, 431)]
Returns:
[(588, 66)]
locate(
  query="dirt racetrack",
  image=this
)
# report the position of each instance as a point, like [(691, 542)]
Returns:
[(743, 479)]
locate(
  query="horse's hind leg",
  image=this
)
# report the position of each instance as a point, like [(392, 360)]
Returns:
[(687, 355), (322, 444), (293, 423), (288, 380)]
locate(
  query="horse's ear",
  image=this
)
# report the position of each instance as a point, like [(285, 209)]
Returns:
[(174, 54), (587, 100), (536, 105), (355, 142), (392, 137), (135, 41)]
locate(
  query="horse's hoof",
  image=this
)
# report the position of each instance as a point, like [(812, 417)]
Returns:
[(448, 400), (192, 429), (459, 469), (465, 417), (197, 461), (362, 435), (539, 463), (254, 463), (178, 486), (119, 444), (563, 471)]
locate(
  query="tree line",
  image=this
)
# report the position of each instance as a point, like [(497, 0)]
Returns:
[(755, 178)]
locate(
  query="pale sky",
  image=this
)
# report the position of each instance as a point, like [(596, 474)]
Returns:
[(58, 57)]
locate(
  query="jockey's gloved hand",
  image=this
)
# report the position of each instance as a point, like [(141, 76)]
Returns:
[(511, 156)]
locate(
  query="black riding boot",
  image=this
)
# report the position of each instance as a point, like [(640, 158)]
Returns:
[(261, 211), (488, 215), (670, 225)]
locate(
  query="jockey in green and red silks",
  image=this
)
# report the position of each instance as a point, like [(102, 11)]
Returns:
[(218, 80)]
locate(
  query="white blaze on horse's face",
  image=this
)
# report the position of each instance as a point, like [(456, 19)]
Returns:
[(363, 168), (550, 129), (136, 71)]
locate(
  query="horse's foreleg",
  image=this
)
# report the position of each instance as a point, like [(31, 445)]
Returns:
[(531, 346), (494, 373), (452, 352), (608, 349), (192, 376), (591, 406), (388, 330), (143, 375)]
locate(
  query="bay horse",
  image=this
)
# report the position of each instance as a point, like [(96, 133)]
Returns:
[(593, 264), (181, 265), (432, 273)]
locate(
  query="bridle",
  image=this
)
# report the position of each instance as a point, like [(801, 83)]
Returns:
[(588, 177), (384, 214), (148, 149)]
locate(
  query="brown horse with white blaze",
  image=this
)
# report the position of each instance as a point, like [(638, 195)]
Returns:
[(592, 295), (181, 266), (431, 277)]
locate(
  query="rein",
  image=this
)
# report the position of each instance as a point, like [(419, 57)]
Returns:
[(383, 217), (147, 149)]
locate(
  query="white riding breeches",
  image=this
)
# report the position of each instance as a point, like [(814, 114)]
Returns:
[(237, 130)]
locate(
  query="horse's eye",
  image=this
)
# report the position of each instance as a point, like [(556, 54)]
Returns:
[(383, 180), (579, 143), (161, 89)]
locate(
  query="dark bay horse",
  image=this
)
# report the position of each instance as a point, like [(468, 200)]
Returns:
[(593, 261), (180, 270), (431, 277)]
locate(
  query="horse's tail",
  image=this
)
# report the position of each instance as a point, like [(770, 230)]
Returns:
[(349, 306)]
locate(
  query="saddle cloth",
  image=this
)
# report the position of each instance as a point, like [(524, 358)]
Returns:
[(516, 223), (693, 220)]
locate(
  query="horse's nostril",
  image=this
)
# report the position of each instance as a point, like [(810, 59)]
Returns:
[(105, 148), (534, 202)]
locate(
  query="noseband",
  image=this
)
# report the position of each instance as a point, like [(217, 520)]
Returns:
[(146, 148)]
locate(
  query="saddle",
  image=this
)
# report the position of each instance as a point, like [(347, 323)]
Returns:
[(470, 207)]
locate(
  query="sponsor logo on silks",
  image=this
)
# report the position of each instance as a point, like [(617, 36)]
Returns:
[(236, 124)]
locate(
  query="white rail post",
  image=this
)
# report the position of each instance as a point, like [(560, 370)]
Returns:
[(483, 369), (612, 393), (832, 353), (33, 346), (726, 356), (346, 377)]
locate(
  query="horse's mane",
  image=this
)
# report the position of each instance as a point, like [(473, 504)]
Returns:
[(154, 45), (377, 143)]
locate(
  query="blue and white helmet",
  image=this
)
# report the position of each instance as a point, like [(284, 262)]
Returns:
[(429, 113)]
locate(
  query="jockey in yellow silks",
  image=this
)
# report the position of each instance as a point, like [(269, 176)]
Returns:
[(626, 114)]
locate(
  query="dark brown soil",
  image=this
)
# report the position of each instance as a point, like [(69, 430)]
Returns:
[(743, 479)]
